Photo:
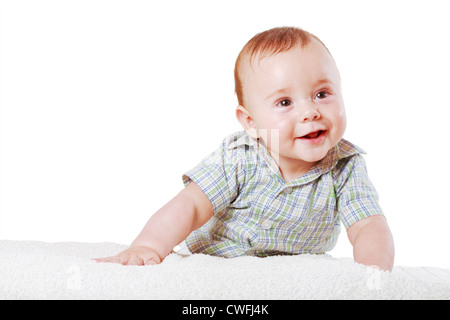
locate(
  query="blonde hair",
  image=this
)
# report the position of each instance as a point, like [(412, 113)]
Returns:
[(268, 43)]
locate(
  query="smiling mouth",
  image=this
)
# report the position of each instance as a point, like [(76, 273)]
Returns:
[(313, 135)]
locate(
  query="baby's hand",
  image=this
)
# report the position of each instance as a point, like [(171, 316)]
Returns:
[(136, 256)]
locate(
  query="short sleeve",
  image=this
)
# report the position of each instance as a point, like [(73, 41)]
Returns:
[(216, 176), (357, 198)]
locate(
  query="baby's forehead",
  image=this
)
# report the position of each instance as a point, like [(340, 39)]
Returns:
[(255, 61)]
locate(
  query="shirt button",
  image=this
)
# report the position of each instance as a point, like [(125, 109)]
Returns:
[(287, 190), (267, 224)]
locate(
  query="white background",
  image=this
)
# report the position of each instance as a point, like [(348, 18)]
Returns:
[(104, 104)]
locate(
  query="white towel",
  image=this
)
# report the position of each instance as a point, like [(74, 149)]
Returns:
[(38, 270)]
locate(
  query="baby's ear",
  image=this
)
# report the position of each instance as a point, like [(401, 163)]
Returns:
[(246, 120)]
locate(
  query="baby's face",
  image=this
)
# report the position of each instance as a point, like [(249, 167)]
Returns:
[(296, 94)]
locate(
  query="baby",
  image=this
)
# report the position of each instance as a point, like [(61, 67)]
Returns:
[(285, 183)]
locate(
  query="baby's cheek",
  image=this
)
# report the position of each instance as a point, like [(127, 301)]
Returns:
[(338, 121)]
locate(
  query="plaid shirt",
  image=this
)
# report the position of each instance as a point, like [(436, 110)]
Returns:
[(257, 213)]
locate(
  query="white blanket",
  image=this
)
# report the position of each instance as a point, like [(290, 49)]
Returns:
[(38, 270)]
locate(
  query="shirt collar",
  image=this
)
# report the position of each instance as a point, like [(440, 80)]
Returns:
[(240, 139), (343, 149)]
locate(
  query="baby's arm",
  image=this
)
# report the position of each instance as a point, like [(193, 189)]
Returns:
[(372, 242), (169, 226)]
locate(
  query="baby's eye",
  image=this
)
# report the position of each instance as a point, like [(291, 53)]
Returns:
[(284, 103), (321, 95)]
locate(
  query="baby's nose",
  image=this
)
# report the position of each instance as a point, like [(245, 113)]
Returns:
[(309, 114)]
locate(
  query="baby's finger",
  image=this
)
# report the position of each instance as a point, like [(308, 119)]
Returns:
[(151, 258), (112, 259), (134, 261), (150, 262)]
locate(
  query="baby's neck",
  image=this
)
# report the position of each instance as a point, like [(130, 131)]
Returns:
[(295, 173), (292, 169)]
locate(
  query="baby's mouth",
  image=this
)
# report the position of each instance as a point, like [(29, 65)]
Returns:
[(313, 135)]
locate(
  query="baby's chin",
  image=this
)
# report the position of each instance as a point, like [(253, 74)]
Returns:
[(312, 158), (312, 154), (309, 158)]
